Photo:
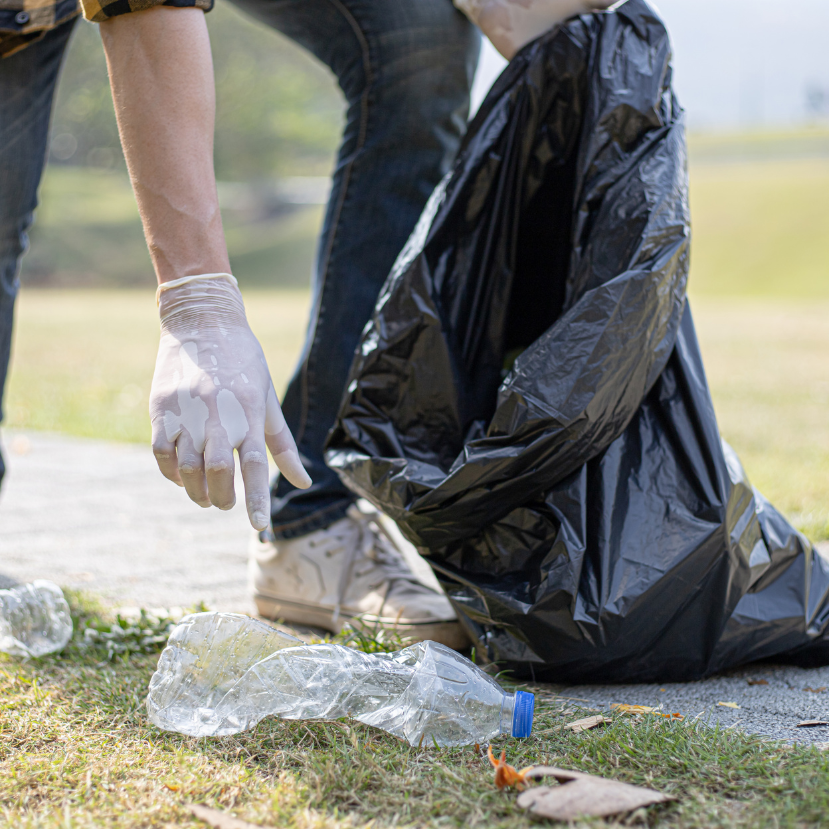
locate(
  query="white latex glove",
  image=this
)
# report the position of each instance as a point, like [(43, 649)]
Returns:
[(212, 393), (512, 24)]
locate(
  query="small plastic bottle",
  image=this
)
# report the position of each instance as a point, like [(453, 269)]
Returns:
[(34, 619), (221, 673)]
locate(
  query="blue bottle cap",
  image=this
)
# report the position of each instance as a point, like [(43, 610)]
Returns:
[(522, 714)]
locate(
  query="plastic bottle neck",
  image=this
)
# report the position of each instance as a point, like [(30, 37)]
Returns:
[(517, 714), (507, 711)]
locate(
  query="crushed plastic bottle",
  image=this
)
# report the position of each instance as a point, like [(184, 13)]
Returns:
[(221, 673), (34, 619)]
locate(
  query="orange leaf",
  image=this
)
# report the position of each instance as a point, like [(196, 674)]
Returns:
[(505, 774)]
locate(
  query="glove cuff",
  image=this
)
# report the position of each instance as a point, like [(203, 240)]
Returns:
[(184, 280), (201, 301)]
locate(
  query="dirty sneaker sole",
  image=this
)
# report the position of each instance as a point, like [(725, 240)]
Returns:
[(449, 633)]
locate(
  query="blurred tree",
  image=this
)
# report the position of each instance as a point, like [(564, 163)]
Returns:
[(279, 111)]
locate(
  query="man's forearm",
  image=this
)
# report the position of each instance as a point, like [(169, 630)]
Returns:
[(161, 73)]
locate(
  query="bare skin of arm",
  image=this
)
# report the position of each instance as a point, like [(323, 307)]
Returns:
[(212, 392), (161, 72)]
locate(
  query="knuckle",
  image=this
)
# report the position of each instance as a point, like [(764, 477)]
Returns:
[(205, 385), (254, 458), (250, 397), (281, 444), (161, 447), (190, 465)]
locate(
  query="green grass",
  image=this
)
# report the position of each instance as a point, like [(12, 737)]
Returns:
[(803, 142), (76, 750), (767, 364), (759, 228), (83, 360)]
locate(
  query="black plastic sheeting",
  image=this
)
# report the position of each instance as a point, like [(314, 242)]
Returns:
[(581, 512)]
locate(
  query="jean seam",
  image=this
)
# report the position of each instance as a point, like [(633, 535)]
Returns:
[(347, 175)]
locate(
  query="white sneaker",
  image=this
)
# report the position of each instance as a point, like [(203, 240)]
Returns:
[(352, 571)]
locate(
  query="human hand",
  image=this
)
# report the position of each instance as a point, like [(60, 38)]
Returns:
[(212, 393), (512, 24)]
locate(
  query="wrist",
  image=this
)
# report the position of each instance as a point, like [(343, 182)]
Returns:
[(191, 303)]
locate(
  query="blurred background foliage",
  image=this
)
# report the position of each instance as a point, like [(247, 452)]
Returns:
[(279, 116), (279, 110)]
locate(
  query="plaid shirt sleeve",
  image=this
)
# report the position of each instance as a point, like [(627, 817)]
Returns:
[(100, 10), (24, 21)]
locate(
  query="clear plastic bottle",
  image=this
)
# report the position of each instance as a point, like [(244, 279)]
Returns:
[(221, 673), (34, 619)]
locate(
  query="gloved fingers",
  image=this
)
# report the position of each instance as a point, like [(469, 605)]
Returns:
[(219, 470), (282, 445), (254, 465), (284, 452), (191, 469), (165, 454)]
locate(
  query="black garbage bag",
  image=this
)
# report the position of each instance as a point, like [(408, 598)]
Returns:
[(528, 401)]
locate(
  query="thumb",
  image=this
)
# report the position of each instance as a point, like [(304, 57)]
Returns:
[(281, 444)]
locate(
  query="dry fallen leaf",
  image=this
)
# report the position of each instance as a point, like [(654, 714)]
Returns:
[(587, 723), (635, 710), (624, 708), (815, 690), (582, 795), (728, 704), (221, 820), (811, 723), (757, 681)]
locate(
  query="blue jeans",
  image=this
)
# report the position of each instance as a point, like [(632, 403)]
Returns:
[(405, 68), (27, 85)]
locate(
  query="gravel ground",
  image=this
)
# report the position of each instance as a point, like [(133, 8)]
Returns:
[(99, 516), (772, 700)]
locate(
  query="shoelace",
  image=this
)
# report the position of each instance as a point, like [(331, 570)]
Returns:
[(372, 537)]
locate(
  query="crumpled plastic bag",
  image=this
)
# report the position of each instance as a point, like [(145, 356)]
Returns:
[(529, 404)]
